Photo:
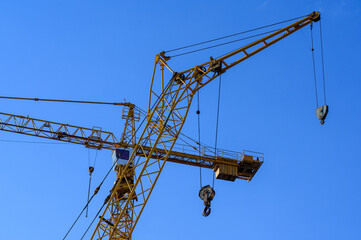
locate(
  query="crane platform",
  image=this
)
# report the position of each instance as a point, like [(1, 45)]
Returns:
[(228, 165)]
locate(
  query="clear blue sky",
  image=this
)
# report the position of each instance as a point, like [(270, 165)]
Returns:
[(309, 185)]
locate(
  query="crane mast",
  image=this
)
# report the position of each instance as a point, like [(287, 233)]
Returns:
[(170, 108), (165, 118)]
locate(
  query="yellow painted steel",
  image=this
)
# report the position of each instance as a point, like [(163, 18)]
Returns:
[(99, 139), (170, 108), (166, 115)]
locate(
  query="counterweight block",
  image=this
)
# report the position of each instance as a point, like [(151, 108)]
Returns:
[(246, 169)]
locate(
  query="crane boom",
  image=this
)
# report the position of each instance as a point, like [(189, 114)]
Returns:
[(242, 53), (99, 139), (91, 138), (166, 115), (167, 111)]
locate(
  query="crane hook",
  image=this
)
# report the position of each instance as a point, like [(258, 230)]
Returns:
[(206, 211), (206, 194)]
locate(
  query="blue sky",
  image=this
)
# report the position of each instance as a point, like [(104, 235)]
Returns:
[(308, 187)]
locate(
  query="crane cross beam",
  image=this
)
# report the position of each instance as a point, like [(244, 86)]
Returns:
[(92, 138), (99, 139)]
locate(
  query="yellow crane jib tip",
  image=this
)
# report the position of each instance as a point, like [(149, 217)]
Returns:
[(315, 16)]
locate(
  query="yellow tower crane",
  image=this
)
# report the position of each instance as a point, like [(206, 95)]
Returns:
[(138, 172)]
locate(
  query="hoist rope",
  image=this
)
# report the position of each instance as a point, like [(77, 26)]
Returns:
[(181, 135), (145, 141), (37, 99), (323, 66), (221, 44), (115, 163), (199, 139), (314, 67), (95, 192), (86, 231), (90, 180), (232, 35), (106, 176), (216, 138), (144, 113), (96, 156), (91, 169)]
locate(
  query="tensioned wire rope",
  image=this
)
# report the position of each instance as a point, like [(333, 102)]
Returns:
[(216, 138), (96, 191), (69, 144), (219, 93), (92, 102), (138, 157), (36, 99), (216, 134), (220, 79), (62, 100), (222, 44), (136, 163), (323, 66), (91, 168), (108, 103), (199, 138), (228, 36), (99, 186), (185, 136), (314, 66), (313, 63)]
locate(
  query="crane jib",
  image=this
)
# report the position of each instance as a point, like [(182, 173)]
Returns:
[(139, 161)]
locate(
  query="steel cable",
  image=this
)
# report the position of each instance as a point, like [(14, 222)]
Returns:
[(314, 66), (216, 138), (232, 35), (199, 139), (221, 44), (323, 67), (124, 148), (61, 100)]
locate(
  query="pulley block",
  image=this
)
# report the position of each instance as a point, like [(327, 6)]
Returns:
[(321, 113), (199, 72), (207, 194), (178, 78), (91, 170)]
